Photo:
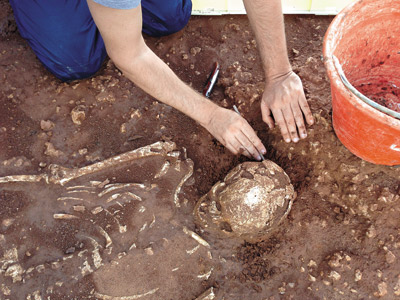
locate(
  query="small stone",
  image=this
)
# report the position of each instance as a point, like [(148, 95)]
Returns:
[(160, 46), (42, 164), (195, 50), (382, 290), (78, 114), (122, 129), (312, 264), (357, 275), (397, 286), (7, 222), (149, 251), (51, 151), (83, 151), (5, 290), (70, 250), (15, 272), (185, 56), (295, 51), (334, 275), (234, 27), (390, 257), (46, 125), (371, 233), (105, 97), (311, 278)]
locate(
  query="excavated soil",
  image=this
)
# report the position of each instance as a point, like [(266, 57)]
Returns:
[(341, 239)]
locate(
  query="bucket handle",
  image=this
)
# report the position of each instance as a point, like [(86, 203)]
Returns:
[(359, 95)]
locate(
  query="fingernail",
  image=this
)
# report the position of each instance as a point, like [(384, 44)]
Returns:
[(303, 135), (259, 157), (263, 151), (287, 140), (296, 139)]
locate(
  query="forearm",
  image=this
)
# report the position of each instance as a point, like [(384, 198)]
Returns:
[(266, 20), (152, 75)]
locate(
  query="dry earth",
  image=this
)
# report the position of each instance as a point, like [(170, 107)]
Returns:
[(341, 239)]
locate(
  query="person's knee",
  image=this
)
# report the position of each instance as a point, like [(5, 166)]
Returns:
[(63, 36), (79, 69), (165, 19)]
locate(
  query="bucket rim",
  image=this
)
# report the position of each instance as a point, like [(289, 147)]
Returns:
[(331, 37)]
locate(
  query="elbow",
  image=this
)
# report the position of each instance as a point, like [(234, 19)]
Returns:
[(128, 58)]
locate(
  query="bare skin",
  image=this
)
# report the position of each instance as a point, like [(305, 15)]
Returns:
[(121, 31), (284, 95)]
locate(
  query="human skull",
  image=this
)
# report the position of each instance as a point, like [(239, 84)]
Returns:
[(252, 200)]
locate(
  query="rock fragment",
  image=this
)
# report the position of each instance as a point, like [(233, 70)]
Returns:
[(78, 114), (382, 290), (46, 125), (357, 275), (195, 50), (51, 151)]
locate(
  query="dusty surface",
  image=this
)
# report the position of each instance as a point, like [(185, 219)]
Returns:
[(341, 239)]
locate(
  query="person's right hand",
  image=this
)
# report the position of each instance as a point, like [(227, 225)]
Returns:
[(235, 133)]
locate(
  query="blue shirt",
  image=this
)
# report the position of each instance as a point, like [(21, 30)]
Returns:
[(120, 4)]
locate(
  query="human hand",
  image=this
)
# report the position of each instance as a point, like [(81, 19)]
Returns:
[(284, 98), (235, 133)]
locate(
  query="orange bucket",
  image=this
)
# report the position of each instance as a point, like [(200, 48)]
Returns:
[(365, 38)]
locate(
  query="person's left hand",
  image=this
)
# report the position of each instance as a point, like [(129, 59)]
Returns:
[(284, 98)]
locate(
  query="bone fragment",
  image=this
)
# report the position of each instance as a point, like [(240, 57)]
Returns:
[(186, 177), (206, 275), (106, 236), (133, 297), (207, 295), (190, 252), (64, 217), (23, 178), (62, 175), (69, 198), (164, 170), (196, 237)]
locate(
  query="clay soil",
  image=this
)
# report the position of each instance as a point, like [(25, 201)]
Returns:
[(342, 237)]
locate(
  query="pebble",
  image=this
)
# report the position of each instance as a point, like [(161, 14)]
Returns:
[(335, 275), (397, 286), (390, 257), (51, 151), (382, 290), (78, 114), (195, 50), (46, 125), (357, 275)]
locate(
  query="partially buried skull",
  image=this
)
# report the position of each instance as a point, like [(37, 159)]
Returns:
[(251, 201)]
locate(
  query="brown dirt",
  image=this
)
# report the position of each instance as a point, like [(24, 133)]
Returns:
[(342, 237), (384, 93)]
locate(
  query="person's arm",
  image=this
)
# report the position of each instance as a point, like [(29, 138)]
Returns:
[(284, 95), (122, 34)]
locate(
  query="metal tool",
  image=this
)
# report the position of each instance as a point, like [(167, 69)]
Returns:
[(238, 112), (212, 79)]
